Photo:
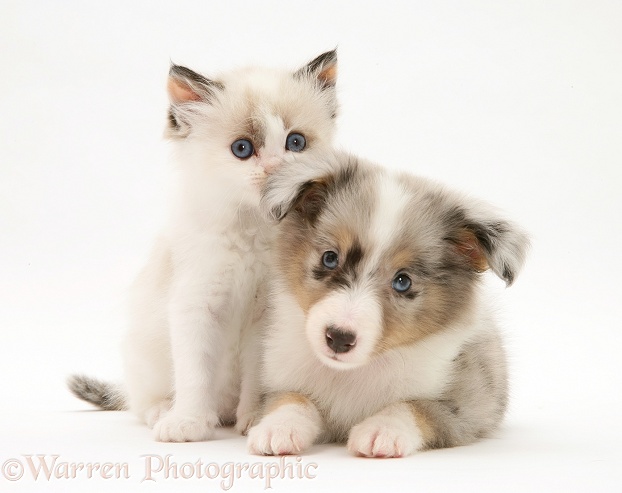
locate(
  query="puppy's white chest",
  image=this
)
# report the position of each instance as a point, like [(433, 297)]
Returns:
[(346, 397)]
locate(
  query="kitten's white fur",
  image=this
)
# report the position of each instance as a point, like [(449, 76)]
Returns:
[(189, 353)]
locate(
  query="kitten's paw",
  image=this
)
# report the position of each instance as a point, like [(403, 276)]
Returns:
[(176, 428), (245, 422), (385, 436), (283, 432), (157, 411)]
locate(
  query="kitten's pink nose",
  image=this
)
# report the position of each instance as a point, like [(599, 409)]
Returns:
[(269, 163)]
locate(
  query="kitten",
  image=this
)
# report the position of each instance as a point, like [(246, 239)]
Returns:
[(190, 354)]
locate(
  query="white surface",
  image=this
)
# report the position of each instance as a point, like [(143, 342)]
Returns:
[(519, 103)]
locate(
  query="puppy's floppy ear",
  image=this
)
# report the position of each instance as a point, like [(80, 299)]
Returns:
[(186, 87), (308, 200), (323, 69), (285, 191), (303, 183), (487, 241)]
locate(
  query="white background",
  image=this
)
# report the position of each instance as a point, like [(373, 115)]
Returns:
[(519, 103)]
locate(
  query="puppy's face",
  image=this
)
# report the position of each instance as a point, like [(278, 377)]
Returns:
[(377, 260)]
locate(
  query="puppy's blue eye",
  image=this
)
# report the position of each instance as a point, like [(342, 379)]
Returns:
[(330, 260), (242, 148), (401, 283), (295, 142)]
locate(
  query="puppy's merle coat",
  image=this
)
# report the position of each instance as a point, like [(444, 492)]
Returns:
[(379, 335)]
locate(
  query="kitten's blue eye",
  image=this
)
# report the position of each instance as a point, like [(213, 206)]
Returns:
[(242, 148), (401, 283), (330, 260), (295, 142)]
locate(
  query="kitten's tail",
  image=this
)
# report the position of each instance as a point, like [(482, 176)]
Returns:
[(105, 395)]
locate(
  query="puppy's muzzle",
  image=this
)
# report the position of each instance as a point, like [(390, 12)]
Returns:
[(339, 340)]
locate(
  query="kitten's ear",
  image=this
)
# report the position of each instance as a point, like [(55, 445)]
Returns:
[(186, 86), (322, 68), (488, 241)]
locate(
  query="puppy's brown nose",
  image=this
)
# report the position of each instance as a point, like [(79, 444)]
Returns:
[(340, 341)]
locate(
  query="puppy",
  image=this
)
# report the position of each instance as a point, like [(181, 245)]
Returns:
[(379, 335)]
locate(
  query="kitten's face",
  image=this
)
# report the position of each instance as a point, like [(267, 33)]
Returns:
[(237, 129)]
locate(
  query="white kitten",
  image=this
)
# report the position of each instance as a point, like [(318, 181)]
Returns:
[(190, 351)]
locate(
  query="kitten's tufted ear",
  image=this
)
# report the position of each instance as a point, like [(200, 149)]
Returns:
[(322, 68), (487, 241), (185, 87)]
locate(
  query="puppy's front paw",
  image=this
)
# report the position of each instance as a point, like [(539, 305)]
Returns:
[(282, 432), (178, 428), (385, 436)]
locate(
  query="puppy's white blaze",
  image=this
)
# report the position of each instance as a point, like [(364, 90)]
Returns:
[(355, 310), (392, 199)]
